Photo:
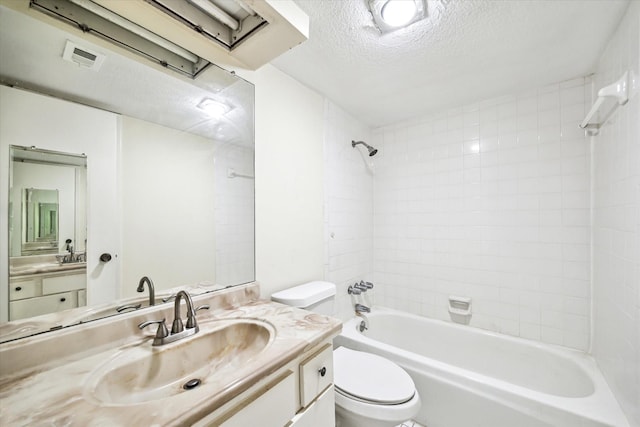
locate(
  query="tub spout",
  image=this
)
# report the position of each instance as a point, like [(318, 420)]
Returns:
[(360, 308)]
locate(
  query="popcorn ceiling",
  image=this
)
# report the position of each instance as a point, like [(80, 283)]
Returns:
[(463, 52)]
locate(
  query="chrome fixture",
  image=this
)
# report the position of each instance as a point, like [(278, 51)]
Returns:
[(178, 330), (169, 298), (353, 290), (127, 307), (360, 308), (363, 326), (152, 292), (176, 326), (372, 151), (365, 285), (391, 15)]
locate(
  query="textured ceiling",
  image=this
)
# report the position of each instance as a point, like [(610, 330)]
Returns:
[(467, 50), (31, 58)]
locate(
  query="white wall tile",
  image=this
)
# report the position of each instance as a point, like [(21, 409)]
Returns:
[(506, 185), (616, 228)]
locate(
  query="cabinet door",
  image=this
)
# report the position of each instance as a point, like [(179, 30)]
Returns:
[(321, 413), (42, 305), (273, 406), (316, 373)]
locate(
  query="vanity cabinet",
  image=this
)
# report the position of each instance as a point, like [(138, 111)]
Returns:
[(38, 294), (297, 395)]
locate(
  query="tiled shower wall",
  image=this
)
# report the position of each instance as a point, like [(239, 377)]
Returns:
[(348, 206), (616, 225), (490, 201), (234, 218)]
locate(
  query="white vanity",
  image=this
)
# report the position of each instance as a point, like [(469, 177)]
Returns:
[(253, 362)]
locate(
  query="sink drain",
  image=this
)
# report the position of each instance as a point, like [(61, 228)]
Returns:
[(191, 384)]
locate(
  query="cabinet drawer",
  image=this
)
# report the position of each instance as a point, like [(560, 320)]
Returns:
[(19, 289), (316, 373), (53, 285), (272, 406), (42, 305)]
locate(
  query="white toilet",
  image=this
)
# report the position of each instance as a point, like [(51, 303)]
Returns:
[(371, 391)]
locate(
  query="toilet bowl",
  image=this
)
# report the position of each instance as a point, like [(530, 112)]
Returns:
[(371, 391)]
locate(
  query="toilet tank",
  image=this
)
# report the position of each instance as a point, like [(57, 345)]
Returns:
[(315, 296)]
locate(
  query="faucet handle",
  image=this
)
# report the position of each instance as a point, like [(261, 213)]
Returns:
[(162, 331), (191, 319), (367, 285), (354, 290)]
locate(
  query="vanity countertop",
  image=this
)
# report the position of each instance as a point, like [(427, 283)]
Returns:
[(40, 264), (27, 270), (58, 390)]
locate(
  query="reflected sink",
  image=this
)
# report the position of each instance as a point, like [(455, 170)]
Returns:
[(126, 306), (145, 373)]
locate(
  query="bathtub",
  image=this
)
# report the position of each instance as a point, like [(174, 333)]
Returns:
[(471, 377)]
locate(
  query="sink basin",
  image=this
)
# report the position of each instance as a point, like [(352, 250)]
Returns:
[(145, 373)]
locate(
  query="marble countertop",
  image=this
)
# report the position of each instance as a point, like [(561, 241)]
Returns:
[(59, 391), (42, 268)]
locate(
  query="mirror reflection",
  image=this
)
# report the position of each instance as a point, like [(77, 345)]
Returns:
[(164, 187)]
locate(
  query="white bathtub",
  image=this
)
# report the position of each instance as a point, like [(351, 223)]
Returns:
[(470, 377)]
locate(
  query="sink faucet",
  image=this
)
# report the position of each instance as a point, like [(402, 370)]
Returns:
[(178, 330), (152, 292), (177, 327), (69, 248)]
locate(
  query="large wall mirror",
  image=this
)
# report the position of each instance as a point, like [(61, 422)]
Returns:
[(113, 174)]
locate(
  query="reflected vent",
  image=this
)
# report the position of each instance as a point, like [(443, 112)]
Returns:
[(82, 56)]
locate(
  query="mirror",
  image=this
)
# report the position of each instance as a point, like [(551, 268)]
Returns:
[(40, 221), (168, 181)]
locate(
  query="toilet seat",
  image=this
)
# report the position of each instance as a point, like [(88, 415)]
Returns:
[(369, 378)]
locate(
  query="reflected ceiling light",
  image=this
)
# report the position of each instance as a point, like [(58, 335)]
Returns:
[(391, 15), (214, 108)]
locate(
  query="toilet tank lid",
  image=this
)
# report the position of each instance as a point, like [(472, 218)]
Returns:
[(304, 295)]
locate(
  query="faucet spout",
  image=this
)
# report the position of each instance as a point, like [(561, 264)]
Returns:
[(191, 313), (360, 308), (152, 292)]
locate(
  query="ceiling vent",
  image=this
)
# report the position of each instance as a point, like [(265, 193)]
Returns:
[(82, 56)]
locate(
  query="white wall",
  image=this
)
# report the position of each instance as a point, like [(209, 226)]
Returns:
[(491, 201), (616, 225), (172, 187), (30, 119), (289, 181), (348, 207)]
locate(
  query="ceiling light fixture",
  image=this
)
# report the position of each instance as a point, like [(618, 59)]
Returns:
[(398, 12), (214, 108), (391, 15)]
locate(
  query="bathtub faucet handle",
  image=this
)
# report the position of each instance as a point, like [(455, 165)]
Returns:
[(367, 285), (360, 286), (353, 290)]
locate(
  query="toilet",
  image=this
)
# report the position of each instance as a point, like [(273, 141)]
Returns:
[(370, 391)]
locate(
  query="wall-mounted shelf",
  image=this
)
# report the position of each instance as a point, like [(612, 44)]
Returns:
[(619, 91)]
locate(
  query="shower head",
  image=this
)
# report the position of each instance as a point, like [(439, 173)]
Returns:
[(372, 151)]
